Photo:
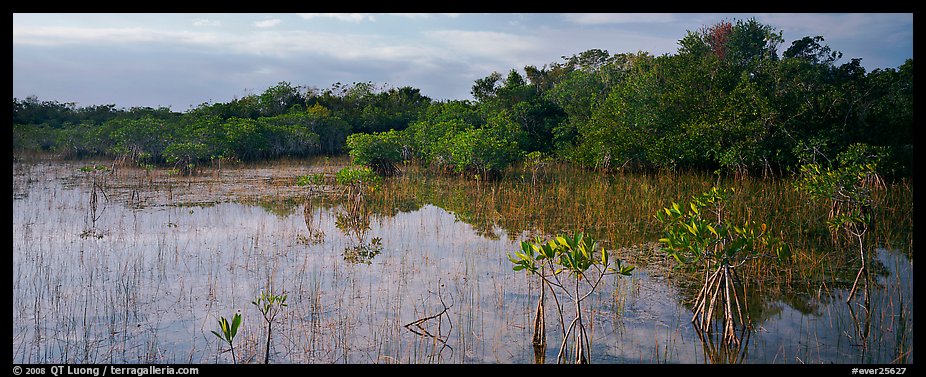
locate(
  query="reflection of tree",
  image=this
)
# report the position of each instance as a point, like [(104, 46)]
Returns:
[(765, 301), (315, 235), (862, 322), (424, 327), (718, 351), (93, 215), (355, 223)]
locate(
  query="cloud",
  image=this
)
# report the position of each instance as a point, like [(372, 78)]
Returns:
[(63, 35), (268, 23), (205, 22), (349, 17), (501, 46), (266, 42), (852, 25), (411, 15), (424, 15), (618, 18)]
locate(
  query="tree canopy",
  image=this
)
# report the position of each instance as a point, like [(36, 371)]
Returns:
[(726, 100)]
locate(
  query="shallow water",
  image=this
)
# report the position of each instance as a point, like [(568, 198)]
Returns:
[(144, 277)]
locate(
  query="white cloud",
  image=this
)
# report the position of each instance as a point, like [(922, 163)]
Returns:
[(424, 15), (275, 43), (834, 26), (61, 35), (349, 17), (205, 22), (503, 46), (618, 18), (268, 23), (411, 15)]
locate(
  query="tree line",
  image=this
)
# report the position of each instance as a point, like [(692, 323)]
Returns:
[(727, 100)]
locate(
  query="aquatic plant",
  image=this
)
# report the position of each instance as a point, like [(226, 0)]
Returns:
[(270, 306), (585, 263), (228, 332), (846, 185), (701, 234)]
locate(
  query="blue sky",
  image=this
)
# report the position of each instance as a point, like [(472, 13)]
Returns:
[(183, 60)]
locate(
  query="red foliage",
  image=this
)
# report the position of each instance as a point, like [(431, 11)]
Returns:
[(717, 36)]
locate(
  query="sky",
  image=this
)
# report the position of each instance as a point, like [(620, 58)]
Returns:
[(181, 60)]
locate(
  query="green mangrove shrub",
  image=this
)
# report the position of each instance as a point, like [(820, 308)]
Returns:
[(381, 152), (575, 265), (186, 156), (316, 179), (846, 186), (701, 235)]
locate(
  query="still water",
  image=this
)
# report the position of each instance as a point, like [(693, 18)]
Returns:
[(142, 275)]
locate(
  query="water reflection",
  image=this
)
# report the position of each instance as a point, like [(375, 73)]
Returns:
[(717, 350), (409, 281)]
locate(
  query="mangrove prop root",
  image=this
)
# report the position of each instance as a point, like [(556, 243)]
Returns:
[(719, 290), (540, 336)]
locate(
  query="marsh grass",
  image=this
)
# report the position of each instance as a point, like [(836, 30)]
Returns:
[(180, 250)]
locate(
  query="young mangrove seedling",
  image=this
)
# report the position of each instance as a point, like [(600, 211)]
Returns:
[(585, 264), (228, 332), (270, 306)]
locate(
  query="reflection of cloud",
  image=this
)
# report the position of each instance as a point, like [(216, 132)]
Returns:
[(618, 18), (205, 22), (349, 17), (267, 23)]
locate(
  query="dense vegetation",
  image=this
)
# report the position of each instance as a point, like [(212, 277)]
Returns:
[(726, 100)]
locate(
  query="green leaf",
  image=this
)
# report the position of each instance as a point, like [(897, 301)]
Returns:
[(235, 323), (223, 324), (625, 270), (691, 229), (783, 253)]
